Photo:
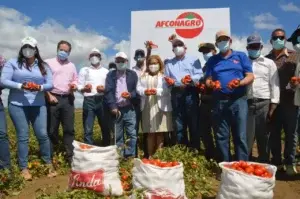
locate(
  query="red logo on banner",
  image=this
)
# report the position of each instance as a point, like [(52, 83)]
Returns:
[(87, 180), (161, 194), (187, 25)]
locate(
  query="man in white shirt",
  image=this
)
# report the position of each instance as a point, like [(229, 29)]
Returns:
[(263, 97), (91, 83)]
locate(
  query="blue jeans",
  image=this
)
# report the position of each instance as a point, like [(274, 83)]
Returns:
[(94, 106), (21, 116), (231, 114), (185, 105), (4, 144), (126, 124), (285, 117)]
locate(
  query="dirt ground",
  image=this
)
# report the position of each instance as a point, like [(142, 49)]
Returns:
[(284, 189)]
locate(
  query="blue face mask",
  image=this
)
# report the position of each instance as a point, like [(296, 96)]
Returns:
[(223, 46), (62, 55), (254, 53), (278, 44), (207, 56)]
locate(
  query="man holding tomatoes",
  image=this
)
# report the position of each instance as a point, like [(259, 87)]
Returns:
[(233, 71), (181, 73)]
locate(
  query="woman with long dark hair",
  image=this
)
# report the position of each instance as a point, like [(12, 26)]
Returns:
[(28, 77)]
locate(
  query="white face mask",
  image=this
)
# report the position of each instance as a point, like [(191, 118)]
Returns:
[(94, 60), (28, 52), (207, 56), (179, 50), (297, 47), (154, 68), (121, 66)]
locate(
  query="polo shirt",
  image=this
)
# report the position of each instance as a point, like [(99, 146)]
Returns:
[(225, 69)]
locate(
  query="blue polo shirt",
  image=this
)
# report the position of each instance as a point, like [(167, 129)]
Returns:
[(228, 68)]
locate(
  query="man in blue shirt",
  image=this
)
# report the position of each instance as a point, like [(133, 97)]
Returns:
[(230, 102), (185, 98)]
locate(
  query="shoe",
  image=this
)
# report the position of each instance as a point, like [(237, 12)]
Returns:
[(281, 168), (26, 174), (52, 173), (291, 170)]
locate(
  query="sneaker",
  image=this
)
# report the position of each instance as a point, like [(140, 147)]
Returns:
[(52, 173), (26, 174), (291, 170)]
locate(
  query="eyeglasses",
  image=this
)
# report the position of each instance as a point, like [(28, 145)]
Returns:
[(274, 38)]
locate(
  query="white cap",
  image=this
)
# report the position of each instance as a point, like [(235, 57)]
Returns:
[(178, 39), (122, 55), (95, 50), (30, 41)]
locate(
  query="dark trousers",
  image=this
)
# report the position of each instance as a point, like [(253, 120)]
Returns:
[(138, 114), (230, 113), (285, 117), (94, 106), (185, 105), (4, 143), (257, 128), (205, 118), (62, 113)]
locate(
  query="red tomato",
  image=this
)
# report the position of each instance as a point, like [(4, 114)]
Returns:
[(249, 169), (258, 171), (243, 164), (169, 164), (146, 161), (239, 169), (175, 164), (163, 164)]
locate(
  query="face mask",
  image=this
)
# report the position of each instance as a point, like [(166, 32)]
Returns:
[(207, 56), (62, 55), (28, 52), (140, 59), (121, 66), (112, 69), (278, 44), (154, 68), (254, 53), (297, 47), (94, 60), (179, 50), (223, 46)]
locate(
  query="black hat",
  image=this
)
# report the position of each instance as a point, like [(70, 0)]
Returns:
[(139, 52), (295, 34), (206, 45)]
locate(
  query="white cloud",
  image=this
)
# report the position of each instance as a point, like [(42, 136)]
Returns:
[(290, 7), (123, 46), (14, 26), (265, 21)]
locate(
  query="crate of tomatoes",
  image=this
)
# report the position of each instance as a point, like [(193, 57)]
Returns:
[(246, 180), (160, 179)]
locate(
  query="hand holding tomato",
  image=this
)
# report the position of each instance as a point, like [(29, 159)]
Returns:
[(100, 89), (125, 95), (31, 86), (73, 87), (169, 81), (294, 81), (186, 80), (87, 88), (233, 84), (151, 91), (150, 45), (201, 87)]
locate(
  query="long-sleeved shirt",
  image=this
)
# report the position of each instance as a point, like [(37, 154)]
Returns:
[(139, 70), (297, 89), (94, 76), (64, 74), (121, 87), (266, 82), (13, 76), (178, 68)]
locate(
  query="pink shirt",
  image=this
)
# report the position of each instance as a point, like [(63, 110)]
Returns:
[(64, 74)]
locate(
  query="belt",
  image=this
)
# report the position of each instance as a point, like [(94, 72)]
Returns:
[(257, 100), (223, 96), (61, 95)]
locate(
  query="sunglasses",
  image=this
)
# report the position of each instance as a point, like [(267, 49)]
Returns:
[(274, 38), (178, 45)]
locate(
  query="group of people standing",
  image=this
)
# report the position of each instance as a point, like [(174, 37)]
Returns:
[(175, 99)]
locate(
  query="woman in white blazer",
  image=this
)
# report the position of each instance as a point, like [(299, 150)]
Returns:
[(155, 104)]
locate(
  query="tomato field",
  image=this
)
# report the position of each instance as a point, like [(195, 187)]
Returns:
[(199, 174)]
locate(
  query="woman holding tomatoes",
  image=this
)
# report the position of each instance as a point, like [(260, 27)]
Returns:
[(155, 104), (28, 77)]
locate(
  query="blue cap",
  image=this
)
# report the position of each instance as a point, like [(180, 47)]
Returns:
[(254, 39)]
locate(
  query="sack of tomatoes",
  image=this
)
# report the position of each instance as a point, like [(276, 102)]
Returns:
[(159, 178), (95, 168), (246, 180)]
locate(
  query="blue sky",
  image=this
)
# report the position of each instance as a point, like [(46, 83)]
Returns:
[(112, 18)]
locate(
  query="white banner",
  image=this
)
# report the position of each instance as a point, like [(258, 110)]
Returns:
[(193, 25)]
